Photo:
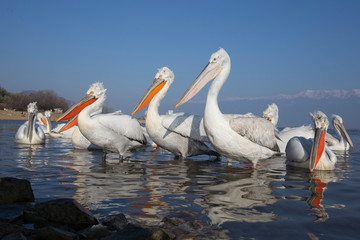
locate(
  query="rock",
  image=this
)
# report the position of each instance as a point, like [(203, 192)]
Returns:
[(135, 232), (6, 228), (14, 236), (53, 234), (66, 212), (115, 222), (95, 232), (32, 217), (13, 190), (11, 213)]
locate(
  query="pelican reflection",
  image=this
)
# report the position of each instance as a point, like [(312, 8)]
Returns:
[(238, 198)]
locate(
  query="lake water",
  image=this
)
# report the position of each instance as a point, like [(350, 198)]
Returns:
[(220, 201)]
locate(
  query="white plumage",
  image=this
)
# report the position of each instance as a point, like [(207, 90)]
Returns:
[(112, 132), (239, 138), (312, 153), (181, 134), (29, 132)]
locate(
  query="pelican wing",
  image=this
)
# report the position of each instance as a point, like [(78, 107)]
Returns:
[(191, 126), (123, 125), (331, 140), (255, 129), (305, 131)]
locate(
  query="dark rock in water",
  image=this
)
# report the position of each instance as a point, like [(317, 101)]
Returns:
[(115, 222), (11, 213), (135, 232), (53, 234), (7, 228), (66, 212), (14, 236), (13, 190), (32, 217), (95, 232)]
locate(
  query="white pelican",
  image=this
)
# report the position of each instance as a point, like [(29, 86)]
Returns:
[(113, 133), (179, 134), (312, 153), (77, 139), (29, 133), (41, 121), (271, 113), (236, 138), (45, 123), (344, 142)]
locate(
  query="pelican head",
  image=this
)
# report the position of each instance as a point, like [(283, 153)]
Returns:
[(321, 123), (31, 109), (48, 113), (271, 113), (95, 92), (337, 122), (217, 62), (40, 117), (163, 79)]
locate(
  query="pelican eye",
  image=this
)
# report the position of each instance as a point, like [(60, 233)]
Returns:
[(91, 93)]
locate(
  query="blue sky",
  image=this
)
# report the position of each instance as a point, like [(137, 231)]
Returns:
[(276, 47)]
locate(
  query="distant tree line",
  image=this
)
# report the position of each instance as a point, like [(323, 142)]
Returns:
[(46, 100)]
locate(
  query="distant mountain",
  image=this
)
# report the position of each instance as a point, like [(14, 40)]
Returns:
[(307, 94)]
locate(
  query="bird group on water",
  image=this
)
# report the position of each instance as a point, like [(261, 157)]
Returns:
[(242, 137)]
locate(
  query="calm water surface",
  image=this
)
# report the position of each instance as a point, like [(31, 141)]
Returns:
[(221, 201)]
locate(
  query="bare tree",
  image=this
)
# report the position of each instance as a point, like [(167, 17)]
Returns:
[(46, 100)]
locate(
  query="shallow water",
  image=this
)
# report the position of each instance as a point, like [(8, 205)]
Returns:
[(221, 201)]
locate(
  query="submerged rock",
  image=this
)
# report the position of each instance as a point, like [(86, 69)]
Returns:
[(14, 236), (53, 233), (135, 232), (11, 213), (66, 219), (8, 228), (66, 212), (95, 232), (115, 222), (13, 190)]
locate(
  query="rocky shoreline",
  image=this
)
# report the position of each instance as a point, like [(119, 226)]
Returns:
[(21, 217)]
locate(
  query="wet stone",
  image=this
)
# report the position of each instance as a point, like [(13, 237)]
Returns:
[(32, 217), (7, 228), (95, 232), (11, 213), (53, 234), (66, 212), (13, 190), (115, 222), (14, 236), (135, 232)]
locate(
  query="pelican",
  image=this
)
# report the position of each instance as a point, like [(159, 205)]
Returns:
[(344, 142), (271, 113), (45, 123), (179, 134), (113, 133), (312, 153), (77, 139), (249, 138), (41, 121), (29, 133)]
